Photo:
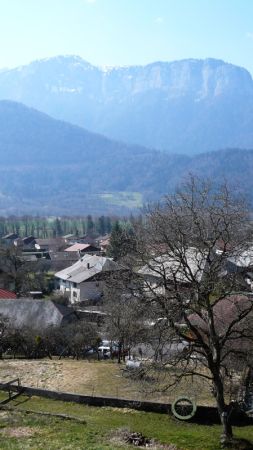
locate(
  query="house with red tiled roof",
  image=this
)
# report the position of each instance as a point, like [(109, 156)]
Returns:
[(5, 294)]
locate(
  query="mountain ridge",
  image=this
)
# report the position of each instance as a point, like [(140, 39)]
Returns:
[(189, 106)]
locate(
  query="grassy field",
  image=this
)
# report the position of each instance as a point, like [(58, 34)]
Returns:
[(22, 431), (97, 378), (126, 199)]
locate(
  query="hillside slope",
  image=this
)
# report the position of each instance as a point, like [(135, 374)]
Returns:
[(52, 167)]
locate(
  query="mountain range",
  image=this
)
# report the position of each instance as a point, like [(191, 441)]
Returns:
[(52, 167), (188, 107)]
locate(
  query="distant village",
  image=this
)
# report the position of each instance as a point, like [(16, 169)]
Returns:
[(68, 267), (54, 282)]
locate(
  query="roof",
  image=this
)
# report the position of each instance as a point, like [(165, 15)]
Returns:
[(10, 236), (7, 294), (87, 267), (242, 258), (225, 312), (50, 243), (28, 239), (78, 247), (104, 242), (64, 256), (37, 314), (172, 267), (61, 260), (86, 240)]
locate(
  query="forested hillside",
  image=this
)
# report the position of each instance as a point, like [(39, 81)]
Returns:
[(49, 167)]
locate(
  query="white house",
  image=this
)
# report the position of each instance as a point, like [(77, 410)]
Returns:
[(171, 267), (84, 280)]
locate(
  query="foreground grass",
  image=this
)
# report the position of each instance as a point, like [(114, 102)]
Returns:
[(40, 432)]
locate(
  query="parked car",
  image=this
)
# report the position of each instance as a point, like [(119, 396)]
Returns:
[(104, 351), (110, 349)]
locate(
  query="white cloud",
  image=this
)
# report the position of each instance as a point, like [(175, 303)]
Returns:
[(249, 35)]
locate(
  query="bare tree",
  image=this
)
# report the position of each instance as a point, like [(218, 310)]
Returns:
[(73, 339), (189, 249), (125, 320), (4, 327), (16, 273)]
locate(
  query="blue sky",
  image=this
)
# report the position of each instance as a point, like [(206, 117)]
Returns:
[(126, 32)]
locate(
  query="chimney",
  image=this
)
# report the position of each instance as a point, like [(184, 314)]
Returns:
[(88, 265)]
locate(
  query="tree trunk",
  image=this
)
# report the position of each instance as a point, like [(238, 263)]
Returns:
[(119, 353), (223, 410)]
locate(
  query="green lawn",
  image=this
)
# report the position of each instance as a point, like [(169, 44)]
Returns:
[(22, 431), (127, 199)]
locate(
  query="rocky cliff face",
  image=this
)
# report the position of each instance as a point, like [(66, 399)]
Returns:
[(187, 106)]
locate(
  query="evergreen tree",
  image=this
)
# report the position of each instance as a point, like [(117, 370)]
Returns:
[(122, 241), (58, 227), (108, 225), (90, 225), (101, 225)]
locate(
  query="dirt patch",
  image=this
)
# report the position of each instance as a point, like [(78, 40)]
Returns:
[(124, 436), (55, 375), (18, 432)]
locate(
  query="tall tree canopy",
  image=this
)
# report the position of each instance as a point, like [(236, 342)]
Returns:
[(194, 251)]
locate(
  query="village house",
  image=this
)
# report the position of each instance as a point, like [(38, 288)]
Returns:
[(71, 239), (62, 260), (50, 244), (9, 239), (36, 314), (242, 264), (83, 249), (171, 267), (4, 294), (84, 280), (104, 243)]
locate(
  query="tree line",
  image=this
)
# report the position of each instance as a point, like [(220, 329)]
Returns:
[(72, 340), (49, 227)]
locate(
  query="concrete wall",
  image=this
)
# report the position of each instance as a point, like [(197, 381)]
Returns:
[(204, 414)]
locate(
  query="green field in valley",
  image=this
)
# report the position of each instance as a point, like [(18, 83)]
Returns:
[(126, 199)]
